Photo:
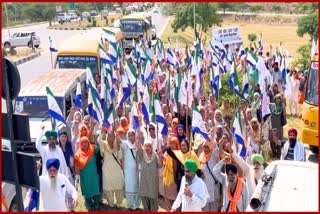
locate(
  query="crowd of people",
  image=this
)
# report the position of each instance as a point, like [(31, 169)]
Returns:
[(183, 168)]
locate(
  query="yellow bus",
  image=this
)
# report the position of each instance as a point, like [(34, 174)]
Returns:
[(310, 111), (82, 51), (136, 25)]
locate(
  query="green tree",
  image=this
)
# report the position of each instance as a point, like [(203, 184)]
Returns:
[(302, 60), (276, 8), (224, 6), (205, 17), (308, 25), (252, 37), (256, 8)]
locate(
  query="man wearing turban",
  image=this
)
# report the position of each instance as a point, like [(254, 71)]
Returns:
[(293, 149), (54, 187), (235, 189), (51, 150), (252, 173), (193, 194)]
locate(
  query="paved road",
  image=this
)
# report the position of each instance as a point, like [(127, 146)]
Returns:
[(261, 14)]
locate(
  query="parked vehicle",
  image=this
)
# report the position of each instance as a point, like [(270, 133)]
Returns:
[(63, 17), (85, 14), (104, 13), (287, 186), (22, 39), (93, 13), (73, 16)]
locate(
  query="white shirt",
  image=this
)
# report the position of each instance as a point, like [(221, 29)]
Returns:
[(56, 200), (299, 152), (46, 154), (199, 197)]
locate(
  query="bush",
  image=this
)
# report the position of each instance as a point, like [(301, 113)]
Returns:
[(107, 21), (94, 22), (252, 37), (89, 18), (112, 20), (302, 60)]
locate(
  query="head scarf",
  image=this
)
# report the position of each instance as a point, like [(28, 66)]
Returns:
[(53, 162), (49, 134), (205, 157), (293, 131), (176, 142), (68, 152), (258, 158), (124, 128), (191, 165), (174, 120), (181, 137), (82, 157), (83, 126), (75, 114)]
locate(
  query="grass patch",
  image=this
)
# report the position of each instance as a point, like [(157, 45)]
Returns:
[(19, 53), (272, 35), (84, 23)]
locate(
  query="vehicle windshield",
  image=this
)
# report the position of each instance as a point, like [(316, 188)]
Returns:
[(312, 90), (35, 107), (132, 27), (80, 62)]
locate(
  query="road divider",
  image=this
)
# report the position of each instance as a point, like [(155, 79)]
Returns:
[(27, 58)]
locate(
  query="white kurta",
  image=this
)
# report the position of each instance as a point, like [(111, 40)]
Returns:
[(112, 175), (299, 152), (46, 154), (199, 197), (244, 199), (55, 200)]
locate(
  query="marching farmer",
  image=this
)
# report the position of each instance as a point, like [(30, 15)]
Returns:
[(54, 186), (235, 188), (193, 194), (51, 150)]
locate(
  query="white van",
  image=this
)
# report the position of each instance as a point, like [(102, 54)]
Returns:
[(287, 186)]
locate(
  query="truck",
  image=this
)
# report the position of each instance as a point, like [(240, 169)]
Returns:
[(310, 108)]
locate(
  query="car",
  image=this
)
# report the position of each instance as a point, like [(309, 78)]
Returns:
[(22, 39), (154, 32), (73, 16), (93, 13), (63, 17), (85, 14), (288, 186)]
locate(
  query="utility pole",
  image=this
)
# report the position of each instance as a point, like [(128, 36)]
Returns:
[(5, 7)]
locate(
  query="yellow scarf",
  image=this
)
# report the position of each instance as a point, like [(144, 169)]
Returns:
[(189, 155), (168, 171)]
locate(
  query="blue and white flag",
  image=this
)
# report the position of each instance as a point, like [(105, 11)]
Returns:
[(245, 86), (145, 105), (233, 79), (104, 57), (171, 57), (54, 109), (251, 59), (214, 80), (237, 132), (242, 51), (94, 105), (198, 125), (162, 124), (52, 48), (78, 98), (135, 116)]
